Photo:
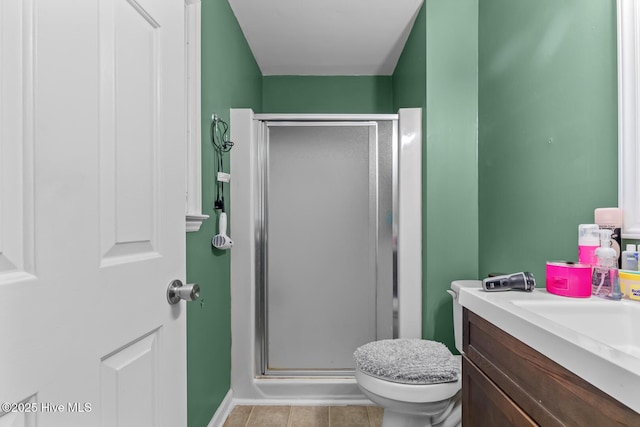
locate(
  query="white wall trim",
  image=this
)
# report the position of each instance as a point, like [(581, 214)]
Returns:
[(223, 411), (194, 217), (243, 187), (363, 401), (195, 221), (628, 108), (409, 244), (335, 117)]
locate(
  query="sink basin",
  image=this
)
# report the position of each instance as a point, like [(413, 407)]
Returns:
[(609, 322)]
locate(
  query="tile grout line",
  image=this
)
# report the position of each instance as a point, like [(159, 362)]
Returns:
[(249, 417), (289, 416)]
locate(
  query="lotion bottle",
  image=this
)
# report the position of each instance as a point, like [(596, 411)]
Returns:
[(605, 282), (588, 242)]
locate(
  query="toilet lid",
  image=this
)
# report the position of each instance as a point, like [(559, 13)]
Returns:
[(409, 361)]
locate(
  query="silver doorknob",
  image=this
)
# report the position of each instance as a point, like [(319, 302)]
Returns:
[(177, 291)]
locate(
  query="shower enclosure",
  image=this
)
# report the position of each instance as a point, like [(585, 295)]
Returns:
[(326, 219), (325, 274)]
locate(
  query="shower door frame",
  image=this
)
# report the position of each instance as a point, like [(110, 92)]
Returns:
[(247, 387), (262, 238)]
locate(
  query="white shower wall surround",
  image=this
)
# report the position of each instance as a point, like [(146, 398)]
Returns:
[(247, 380)]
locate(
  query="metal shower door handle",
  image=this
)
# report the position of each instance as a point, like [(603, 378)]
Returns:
[(177, 291)]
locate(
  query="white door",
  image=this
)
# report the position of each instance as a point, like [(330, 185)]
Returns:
[(91, 213)]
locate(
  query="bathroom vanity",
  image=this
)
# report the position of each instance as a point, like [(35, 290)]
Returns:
[(536, 359)]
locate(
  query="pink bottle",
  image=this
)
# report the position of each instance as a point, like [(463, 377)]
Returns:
[(588, 242)]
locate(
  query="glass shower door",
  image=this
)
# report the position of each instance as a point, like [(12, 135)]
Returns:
[(320, 246)]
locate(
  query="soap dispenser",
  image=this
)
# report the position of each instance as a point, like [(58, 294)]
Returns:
[(605, 282)]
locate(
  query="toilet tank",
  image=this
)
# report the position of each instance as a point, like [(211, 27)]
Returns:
[(457, 308)]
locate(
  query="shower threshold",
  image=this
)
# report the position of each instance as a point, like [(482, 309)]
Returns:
[(308, 374)]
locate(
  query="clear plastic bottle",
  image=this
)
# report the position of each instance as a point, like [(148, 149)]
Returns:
[(611, 219), (605, 282), (630, 258)]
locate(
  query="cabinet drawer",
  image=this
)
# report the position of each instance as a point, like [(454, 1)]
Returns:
[(485, 405), (547, 392)]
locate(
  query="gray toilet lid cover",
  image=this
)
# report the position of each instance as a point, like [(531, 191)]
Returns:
[(409, 361)]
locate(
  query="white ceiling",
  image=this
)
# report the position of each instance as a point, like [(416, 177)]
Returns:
[(326, 37)]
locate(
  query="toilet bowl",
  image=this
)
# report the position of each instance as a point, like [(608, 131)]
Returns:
[(417, 382), (412, 405)]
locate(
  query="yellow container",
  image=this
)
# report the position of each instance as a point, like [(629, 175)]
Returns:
[(630, 284)]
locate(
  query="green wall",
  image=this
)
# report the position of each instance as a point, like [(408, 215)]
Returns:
[(548, 128), (409, 80), (438, 72), (230, 79), (327, 94)]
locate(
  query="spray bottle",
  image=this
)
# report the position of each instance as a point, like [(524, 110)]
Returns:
[(605, 282)]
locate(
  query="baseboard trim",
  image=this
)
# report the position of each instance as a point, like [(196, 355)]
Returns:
[(302, 402), (223, 411)]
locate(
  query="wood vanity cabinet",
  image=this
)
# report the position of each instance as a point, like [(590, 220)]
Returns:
[(507, 383)]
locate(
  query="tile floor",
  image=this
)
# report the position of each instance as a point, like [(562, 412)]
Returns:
[(305, 416)]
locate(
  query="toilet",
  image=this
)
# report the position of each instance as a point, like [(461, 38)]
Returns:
[(417, 382)]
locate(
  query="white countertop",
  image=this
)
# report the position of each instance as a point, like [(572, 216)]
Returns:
[(594, 338)]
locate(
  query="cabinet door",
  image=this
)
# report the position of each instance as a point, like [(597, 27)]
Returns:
[(485, 405), (547, 392)]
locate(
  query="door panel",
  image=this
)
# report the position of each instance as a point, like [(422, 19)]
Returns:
[(16, 156), (91, 152), (322, 270), (129, 134), (129, 395)]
